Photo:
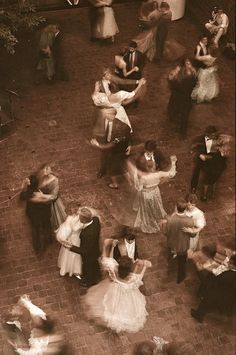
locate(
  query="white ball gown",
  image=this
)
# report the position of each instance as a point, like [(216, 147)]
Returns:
[(69, 262), (106, 25), (207, 87), (116, 304)]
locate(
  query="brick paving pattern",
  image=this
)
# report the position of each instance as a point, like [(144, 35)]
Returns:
[(37, 138)]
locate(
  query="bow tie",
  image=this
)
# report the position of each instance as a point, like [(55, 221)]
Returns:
[(208, 139)]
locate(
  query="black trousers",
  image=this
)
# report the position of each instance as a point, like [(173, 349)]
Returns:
[(181, 259), (196, 174), (91, 271)]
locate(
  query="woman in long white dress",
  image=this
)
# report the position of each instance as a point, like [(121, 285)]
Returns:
[(68, 233), (106, 26), (207, 87), (148, 202), (116, 302)]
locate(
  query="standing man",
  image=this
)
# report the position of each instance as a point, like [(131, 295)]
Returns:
[(133, 58), (218, 26), (127, 245), (162, 29), (89, 247), (177, 240), (201, 51), (201, 147)]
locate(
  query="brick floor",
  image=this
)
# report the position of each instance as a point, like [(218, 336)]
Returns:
[(34, 139)]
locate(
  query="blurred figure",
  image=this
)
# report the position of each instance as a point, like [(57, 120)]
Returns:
[(162, 29), (46, 58), (126, 245), (105, 26), (151, 347), (201, 51), (116, 302), (182, 81), (133, 59), (43, 339), (218, 25), (148, 203), (152, 153), (38, 213), (49, 194), (178, 240), (218, 291), (207, 87)]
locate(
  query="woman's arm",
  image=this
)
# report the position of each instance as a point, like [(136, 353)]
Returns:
[(172, 172)]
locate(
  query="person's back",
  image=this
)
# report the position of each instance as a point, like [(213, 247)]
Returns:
[(177, 239)]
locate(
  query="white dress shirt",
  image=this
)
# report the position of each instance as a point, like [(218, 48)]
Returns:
[(130, 249), (208, 144)]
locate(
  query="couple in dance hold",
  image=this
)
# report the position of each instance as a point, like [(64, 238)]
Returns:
[(153, 40)]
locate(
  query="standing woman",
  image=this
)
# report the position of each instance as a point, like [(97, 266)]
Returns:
[(148, 202), (38, 213), (49, 186), (182, 81), (106, 26)]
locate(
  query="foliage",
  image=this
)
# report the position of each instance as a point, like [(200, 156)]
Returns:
[(18, 15)]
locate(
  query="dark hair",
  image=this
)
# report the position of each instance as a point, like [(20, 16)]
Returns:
[(47, 325), (210, 130), (146, 347), (203, 35), (127, 233), (232, 260), (150, 145), (165, 5), (192, 198), (125, 266), (133, 44), (33, 187), (181, 205)]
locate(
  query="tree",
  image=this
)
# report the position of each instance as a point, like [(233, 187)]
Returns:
[(18, 15)]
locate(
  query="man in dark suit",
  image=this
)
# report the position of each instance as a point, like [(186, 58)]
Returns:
[(89, 247), (162, 29), (57, 52), (178, 240), (201, 147), (152, 153), (133, 58), (127, 245), (217, 292)]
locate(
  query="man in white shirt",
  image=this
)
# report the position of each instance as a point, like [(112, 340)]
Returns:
[(127, 245), (218, 25), (201, 147)]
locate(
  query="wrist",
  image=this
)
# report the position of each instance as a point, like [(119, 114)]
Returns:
[(137, 82)]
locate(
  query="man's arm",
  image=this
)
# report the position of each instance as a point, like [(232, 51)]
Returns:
[(119, 81)]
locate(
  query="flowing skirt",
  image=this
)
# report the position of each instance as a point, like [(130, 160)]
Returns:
[(69, 262), (58, 213), (207, 87), (149, 210), (106, 25), (116, 306)]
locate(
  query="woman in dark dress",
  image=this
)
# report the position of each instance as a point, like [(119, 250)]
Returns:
[(182, 80), (39, 214)]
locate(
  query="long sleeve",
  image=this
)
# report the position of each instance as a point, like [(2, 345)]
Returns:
[(171, 173), (64, 231)]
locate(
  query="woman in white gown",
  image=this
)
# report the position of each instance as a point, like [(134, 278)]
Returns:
[(107, 99), (106, 26), (148, 202), (207, 87), (116, 302), (68, 233)]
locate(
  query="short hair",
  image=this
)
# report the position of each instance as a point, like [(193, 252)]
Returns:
[(133, 44), (210, 129), (150, 145), (105, 71), (85, 213), (125, 266), (181, 205), (127, 233), (47, 325), (192, 198), (165, 5), (146, 347), (203, 35)]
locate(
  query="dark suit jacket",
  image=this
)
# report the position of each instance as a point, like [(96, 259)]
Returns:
[(177, 239), (119, 248), (198, 146), (139, 61), (161, 161), (89, 242)]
